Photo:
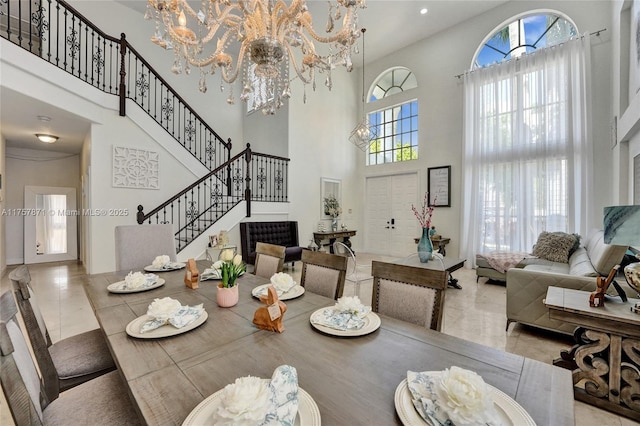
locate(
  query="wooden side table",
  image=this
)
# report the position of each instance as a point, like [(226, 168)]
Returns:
[(332, 236), (606, 357), (438, 241)]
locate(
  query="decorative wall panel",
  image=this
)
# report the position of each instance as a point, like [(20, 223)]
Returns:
[(135, 168)]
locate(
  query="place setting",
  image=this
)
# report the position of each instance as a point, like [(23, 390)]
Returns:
[(349, 317), (163, 263), (166, 317), (256, 401), (136, 282), (455, 396), (284, 284)]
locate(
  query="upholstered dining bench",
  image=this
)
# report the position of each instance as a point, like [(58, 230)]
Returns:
[(282, 233)]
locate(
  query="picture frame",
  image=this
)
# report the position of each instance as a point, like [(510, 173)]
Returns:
[(329, 187), (439, 184)]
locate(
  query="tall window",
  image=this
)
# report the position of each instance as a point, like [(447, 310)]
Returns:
[(396, 127), (527, 149)]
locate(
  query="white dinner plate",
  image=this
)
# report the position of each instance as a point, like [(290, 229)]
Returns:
[(371, 324), (509, 411), (116, 287), (174, 267), (167, 330), (295, 291), (308, 412)]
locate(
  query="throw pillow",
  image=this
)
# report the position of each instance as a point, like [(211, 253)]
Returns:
[(554, 246), (576, 245)]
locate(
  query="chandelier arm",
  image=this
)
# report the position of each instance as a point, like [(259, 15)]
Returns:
[(340, 35), (230, 78), (299, 72)]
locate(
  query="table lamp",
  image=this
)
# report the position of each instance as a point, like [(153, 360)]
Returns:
[(622, 228)]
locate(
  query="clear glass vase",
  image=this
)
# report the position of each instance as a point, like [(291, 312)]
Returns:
[(425, 247), (334, 224)]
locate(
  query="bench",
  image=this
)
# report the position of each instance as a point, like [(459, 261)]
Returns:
[(283, 233)]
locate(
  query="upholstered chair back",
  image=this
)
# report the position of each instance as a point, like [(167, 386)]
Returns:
[(323, 273), (138, 245), (269, 259)]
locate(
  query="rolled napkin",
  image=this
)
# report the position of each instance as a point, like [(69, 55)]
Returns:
[(347, 314), (453, 396), (161, 262), (211, 274), (170, 311), (137, 280), (254, 401)]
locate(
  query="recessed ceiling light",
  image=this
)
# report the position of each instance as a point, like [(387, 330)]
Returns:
[(423, 11), (44, 118), (46, 138)]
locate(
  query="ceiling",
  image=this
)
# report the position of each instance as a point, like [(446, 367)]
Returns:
[(391, 25)]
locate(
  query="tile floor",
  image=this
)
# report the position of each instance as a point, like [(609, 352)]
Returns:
[(476, 313)]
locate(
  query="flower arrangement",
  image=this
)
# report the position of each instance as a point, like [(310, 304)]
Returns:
[(244, 402), (332, 207), (230, 266), (424, 216)]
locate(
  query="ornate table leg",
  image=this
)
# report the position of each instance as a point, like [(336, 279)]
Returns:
[(606, 371)]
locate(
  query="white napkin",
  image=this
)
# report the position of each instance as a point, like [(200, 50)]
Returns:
[(138, 280), (470, 403), (182, 318), (347, 314), (284, 387), (211, 274)]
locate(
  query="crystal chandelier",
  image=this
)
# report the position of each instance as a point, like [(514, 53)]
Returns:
[(256, 40), (363, 133)]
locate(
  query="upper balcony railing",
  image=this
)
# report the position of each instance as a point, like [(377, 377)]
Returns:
[(59, 34)]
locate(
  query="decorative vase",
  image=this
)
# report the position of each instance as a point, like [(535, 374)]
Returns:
[(425, 248), (227, 296), (334, 224)]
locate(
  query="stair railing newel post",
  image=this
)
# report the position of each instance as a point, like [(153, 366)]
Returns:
[(123, 75), (247, 188), (140, 215), (228, 180)]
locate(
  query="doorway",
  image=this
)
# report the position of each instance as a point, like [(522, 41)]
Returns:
[(51, 225), (390, 224)]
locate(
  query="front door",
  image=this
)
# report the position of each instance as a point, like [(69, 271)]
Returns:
[(390, 224)]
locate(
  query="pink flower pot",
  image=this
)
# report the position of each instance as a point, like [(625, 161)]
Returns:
[(227, 297)]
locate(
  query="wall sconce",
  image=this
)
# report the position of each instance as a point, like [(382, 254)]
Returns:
[(46, 138)]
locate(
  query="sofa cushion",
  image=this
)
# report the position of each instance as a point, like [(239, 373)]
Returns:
[(580, 264), (603, 256), (554, 246), (553, 267)]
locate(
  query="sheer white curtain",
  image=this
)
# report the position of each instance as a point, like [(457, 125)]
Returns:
[(527, 149)]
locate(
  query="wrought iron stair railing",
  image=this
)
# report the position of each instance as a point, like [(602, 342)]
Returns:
[(248, 176), (62, 36)]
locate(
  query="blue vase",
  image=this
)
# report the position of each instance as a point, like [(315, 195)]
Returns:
[(425, 248)]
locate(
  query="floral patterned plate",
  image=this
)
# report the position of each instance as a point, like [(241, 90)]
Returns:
[(509, 411), (308, 412)]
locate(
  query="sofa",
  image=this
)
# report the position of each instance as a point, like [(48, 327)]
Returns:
[(527, 285), (283, 233)]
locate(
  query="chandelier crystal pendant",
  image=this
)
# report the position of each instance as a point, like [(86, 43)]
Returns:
[(362, 135), (256, 40)]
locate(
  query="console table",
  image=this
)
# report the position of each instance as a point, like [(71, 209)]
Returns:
[(605, 361), (332, 236), (438, 242)]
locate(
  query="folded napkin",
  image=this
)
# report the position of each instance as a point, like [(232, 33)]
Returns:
[(454, 396), (254, 401), (347, 314), (211, 274), (138, 280), (170, 311)]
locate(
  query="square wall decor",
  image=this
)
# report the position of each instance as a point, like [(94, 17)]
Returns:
[(135, 168)]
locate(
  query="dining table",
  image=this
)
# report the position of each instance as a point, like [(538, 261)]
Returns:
[(352, 380)]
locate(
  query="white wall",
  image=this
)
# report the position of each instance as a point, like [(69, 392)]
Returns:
[(3, 226), (27, 167)]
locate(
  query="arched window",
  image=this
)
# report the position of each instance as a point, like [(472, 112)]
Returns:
[(522, 35), (396, 127)]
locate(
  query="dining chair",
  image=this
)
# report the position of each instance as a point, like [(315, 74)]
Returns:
[(355, 273), (323, 273), (68, 362), (103, 400), (138, 245), (409, 293), (269, 259)]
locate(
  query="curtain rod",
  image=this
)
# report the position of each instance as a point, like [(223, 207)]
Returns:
[(596, 33)]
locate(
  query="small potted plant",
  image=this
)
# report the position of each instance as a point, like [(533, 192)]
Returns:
[(230, 267)]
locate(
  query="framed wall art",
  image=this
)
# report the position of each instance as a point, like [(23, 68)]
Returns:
[(329, 188), (439, 183)]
